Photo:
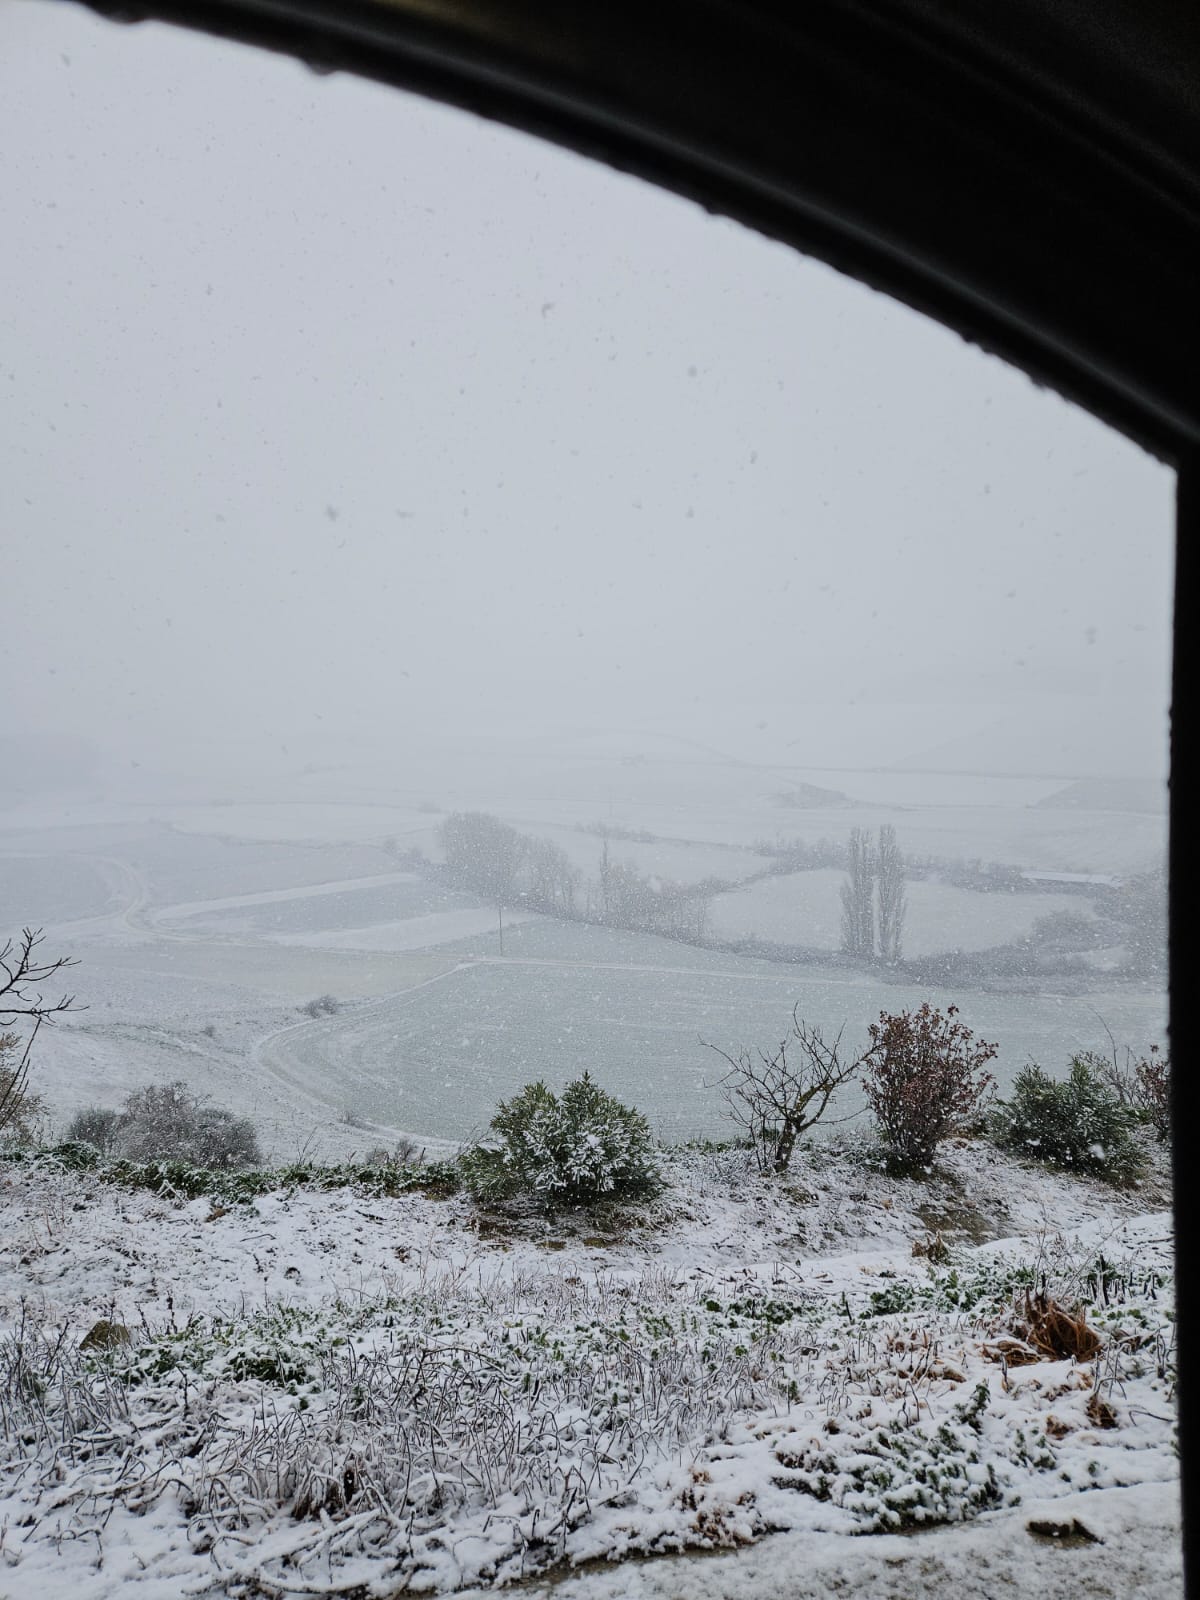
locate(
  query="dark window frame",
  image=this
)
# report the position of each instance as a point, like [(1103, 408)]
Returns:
[(1025, 172)]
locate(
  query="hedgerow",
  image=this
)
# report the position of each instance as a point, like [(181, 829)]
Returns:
[(184, 1180)]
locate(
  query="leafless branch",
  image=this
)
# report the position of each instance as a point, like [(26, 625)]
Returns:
[(776, 1095), (1141, 1084), (22, 975)]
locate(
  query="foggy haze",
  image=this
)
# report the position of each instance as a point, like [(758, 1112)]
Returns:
[(337, 422)]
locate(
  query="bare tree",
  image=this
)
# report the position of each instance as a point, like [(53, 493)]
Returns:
[(552, 878), (1141, 1084), (777, 1095), (858, 911), (22, 1003), (486, 855), (606, 881), (891, 897), (21, 1109)]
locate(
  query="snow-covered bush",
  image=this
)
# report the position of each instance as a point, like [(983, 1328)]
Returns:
[(97, 1126), (167, 1122), (569, 1150), (325, 1005), (1142, 1084), (925, 1080), (1079, 1124), (897, 1474)]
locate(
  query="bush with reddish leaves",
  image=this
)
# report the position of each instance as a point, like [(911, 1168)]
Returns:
[(1154, 1092), (925, 1080)]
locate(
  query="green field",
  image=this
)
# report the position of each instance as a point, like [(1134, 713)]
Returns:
[(436, 1060)]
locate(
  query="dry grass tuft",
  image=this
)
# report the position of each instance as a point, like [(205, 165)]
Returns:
[(933, 1247), (1012, 1352), (1056, 1332), (1100, 1412)]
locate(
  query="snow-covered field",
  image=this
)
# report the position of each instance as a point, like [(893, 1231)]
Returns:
[(426, 1041), (391, 911), (336, 1392), (805, 908), (436, 1059), (198, 945)]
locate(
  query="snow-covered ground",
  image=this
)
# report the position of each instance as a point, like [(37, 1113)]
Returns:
[(198, 947), (336, 1392), (426, 1041), (805, 908), (434, 1059)]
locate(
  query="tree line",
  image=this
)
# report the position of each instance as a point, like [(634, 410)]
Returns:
[(507, 868)]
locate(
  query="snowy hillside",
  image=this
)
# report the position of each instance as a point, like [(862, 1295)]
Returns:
[(340, 1392)]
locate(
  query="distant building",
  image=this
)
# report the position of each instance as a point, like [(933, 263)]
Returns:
[(1073, 880)]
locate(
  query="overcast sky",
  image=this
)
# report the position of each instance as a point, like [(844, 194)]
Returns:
[(325, 407)]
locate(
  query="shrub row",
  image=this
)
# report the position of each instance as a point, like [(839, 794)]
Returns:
[(168, 1122), (925, 1079), (377, 1179)]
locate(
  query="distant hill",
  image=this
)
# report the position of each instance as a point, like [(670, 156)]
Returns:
[(1108, 794), (1054, 736)]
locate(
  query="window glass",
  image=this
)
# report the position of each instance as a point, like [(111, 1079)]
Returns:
[(473, 619)]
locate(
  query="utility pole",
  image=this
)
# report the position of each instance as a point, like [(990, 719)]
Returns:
[(500, 909)]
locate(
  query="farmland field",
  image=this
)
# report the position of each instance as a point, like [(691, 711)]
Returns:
[(199, 949), (307, 913), (805, 908), (435, 1061), (36, 888)]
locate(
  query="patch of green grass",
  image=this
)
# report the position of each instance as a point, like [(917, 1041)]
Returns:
[(280, 1346), (981, 1286), (180, 1179), (890, 1302), (706, 1147), (756, 1312)]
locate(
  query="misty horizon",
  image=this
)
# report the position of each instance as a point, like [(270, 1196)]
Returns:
[(345, 420)]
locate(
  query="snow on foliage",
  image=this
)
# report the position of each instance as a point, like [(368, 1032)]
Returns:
[(168, 1122), (925, 1080), (478, 1415), (571, 1149), (1078, 1123)]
